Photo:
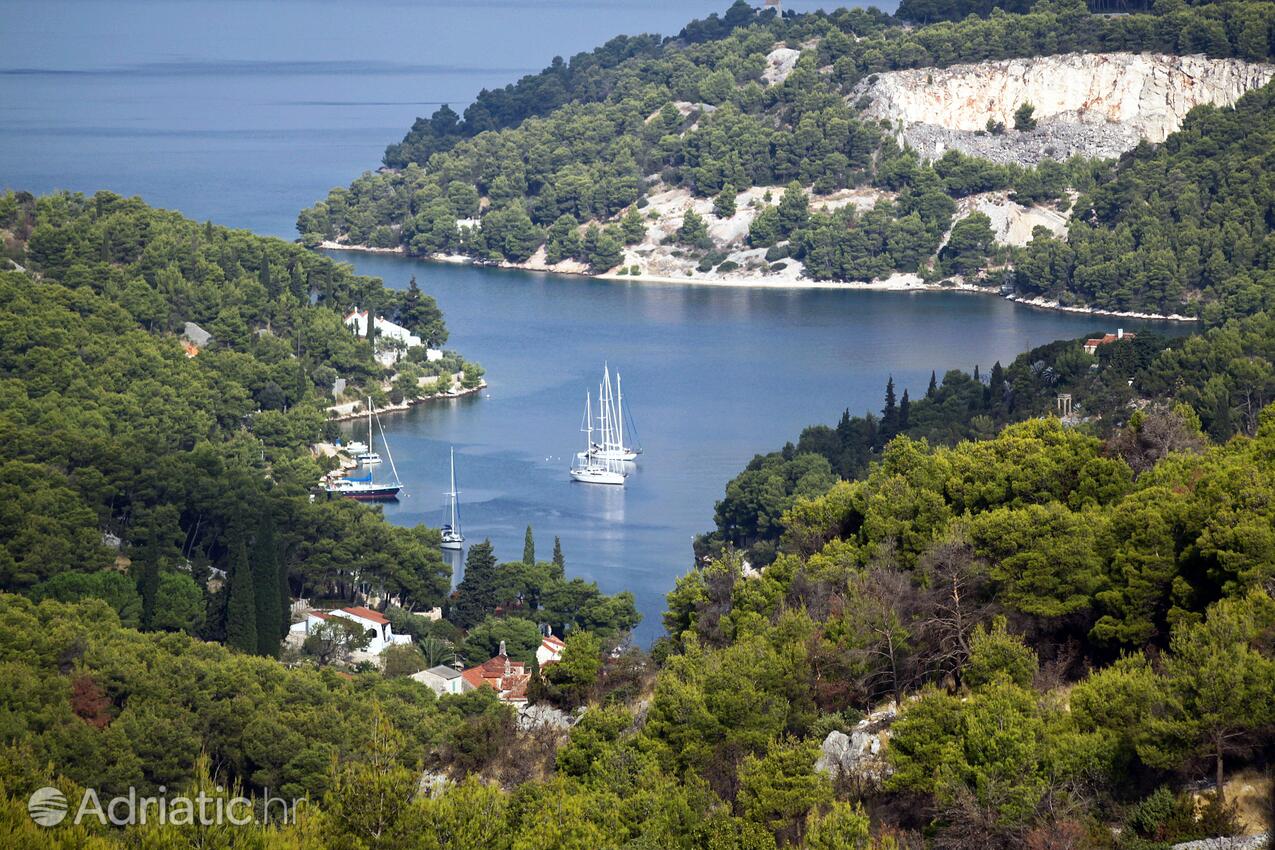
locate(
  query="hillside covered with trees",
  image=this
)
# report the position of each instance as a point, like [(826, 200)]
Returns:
[(567, 161), (963, 622), (1221, 380), (176, 482), (1043, 640)]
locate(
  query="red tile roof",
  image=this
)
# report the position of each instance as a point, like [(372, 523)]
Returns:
[(551, 642), (492, 673), (1108, 338), (366, 614)]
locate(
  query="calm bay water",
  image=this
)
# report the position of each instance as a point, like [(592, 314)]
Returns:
[(712, 376), (245, 112)]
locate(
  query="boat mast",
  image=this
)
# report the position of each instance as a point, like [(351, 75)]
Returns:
[(588, 418), (619, 411), (385, 440), (453, 494)]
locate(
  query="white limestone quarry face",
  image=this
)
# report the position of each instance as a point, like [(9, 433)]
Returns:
[(1122, 96)]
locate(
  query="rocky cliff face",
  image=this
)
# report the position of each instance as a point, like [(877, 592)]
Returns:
[(1096, 105)]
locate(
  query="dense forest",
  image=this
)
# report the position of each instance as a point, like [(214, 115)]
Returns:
[(960, 622), (178, 487), (1057, 637), (568, 158), (928, 11), (1048, 629), (1223, 378)]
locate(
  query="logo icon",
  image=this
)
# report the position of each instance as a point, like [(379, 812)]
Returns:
[(47, 806)]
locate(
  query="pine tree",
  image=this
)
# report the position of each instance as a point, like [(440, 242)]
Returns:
[(265, 583), (905, 407), (724, 203), (241, 604), (528, 547), (264, 273), (558, 560), (933, 388)]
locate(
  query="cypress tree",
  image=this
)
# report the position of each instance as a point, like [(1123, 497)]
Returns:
[(476, 595), (976, 377), (285, 599), (905, 407), (147, 587), (889, 413), (241, 602), (1222, 427), (558, 560), (528, 547), (265, 582), (996, 385), (933, 389)]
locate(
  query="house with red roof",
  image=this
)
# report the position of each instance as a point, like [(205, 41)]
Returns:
[(1091, 345), (550, 650), (373, 622), (508, 678)]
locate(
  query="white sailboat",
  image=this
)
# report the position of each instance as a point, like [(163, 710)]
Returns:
[(366, 456), (452, 537), (591, 469), (364, 488), (615, 406)]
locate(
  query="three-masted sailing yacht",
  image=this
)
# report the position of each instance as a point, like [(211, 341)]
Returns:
[(452, 537), (364, 488), (597, 469), (615, 406)]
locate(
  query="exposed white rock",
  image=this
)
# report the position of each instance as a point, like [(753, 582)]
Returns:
[(537, 262), (1239, 842), (1012, 223), (854, 756), (539, 718), (779, 64), (1097, 104)]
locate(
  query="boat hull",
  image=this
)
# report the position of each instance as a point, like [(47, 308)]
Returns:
[(452, 545), (587, 476), (374, 493), (377, 496), (599, 453)]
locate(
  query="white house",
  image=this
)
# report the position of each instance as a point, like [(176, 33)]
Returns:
[(549, 651), (399, 337), (372, 621), (441, 679)]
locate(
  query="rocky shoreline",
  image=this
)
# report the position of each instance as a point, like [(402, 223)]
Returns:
[(335, 414), (894, 283)]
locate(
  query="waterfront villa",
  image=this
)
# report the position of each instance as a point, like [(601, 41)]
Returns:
[(1091, 345), (399, 338), (382, 635)]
